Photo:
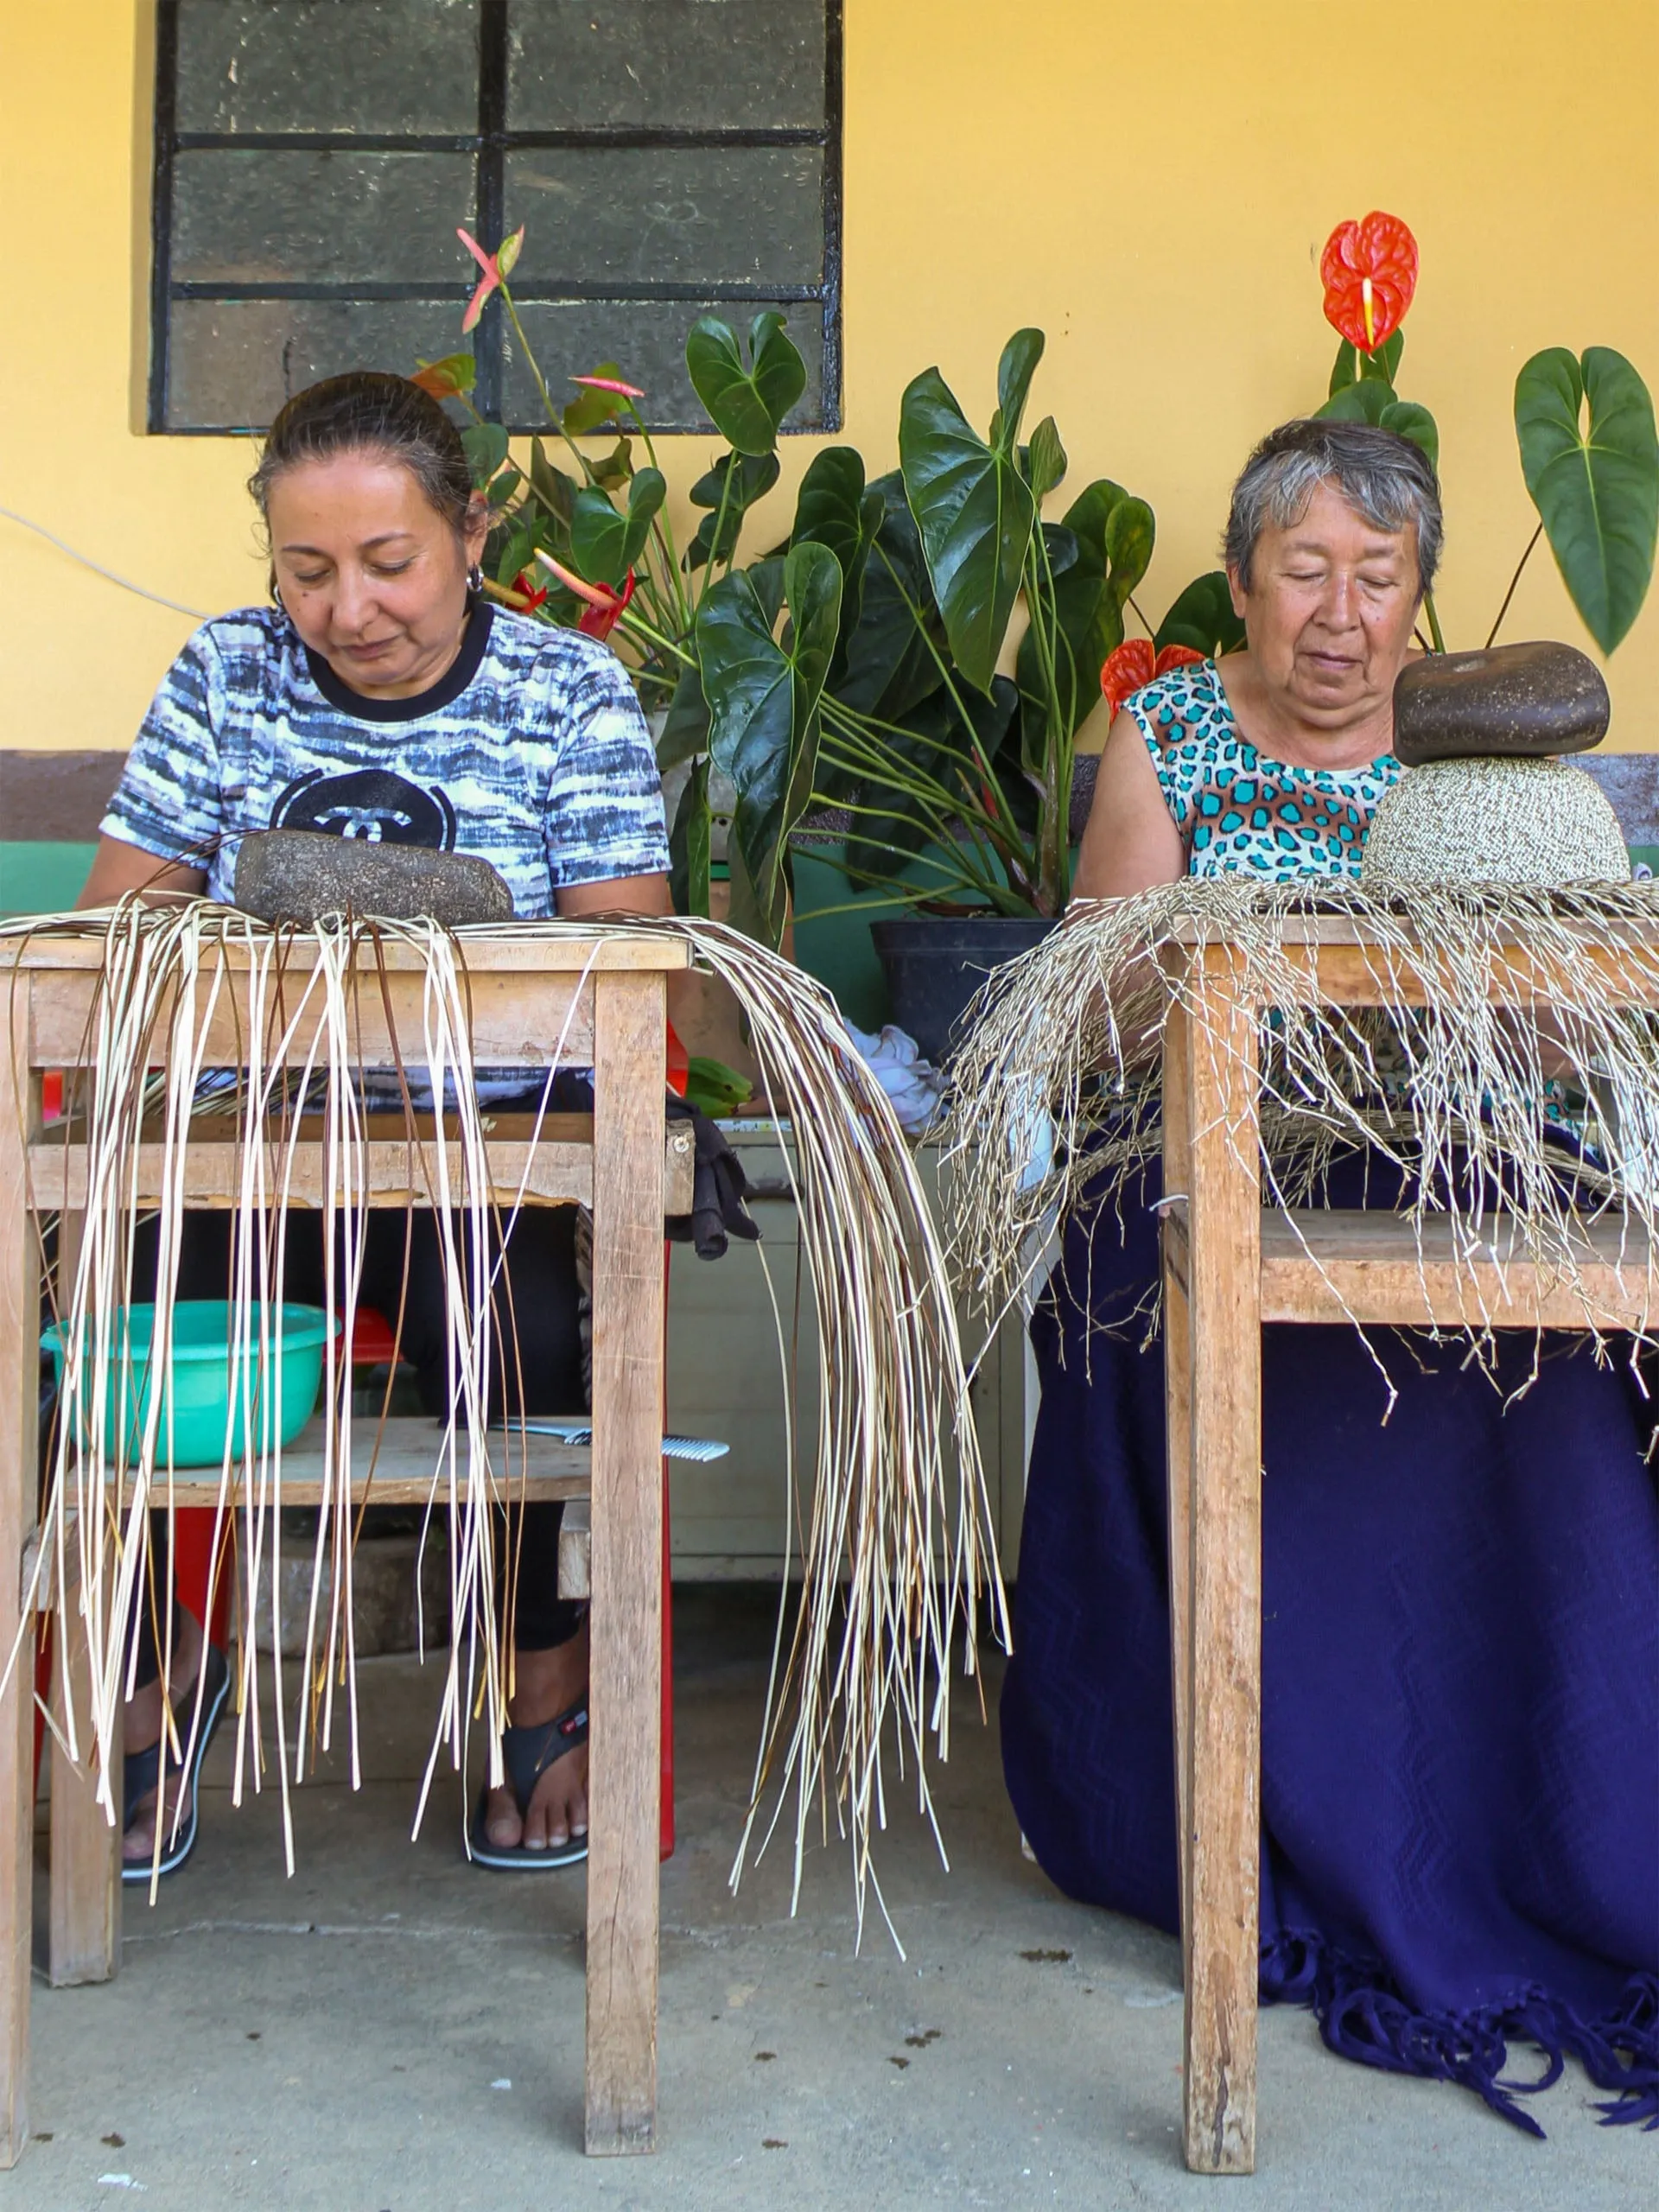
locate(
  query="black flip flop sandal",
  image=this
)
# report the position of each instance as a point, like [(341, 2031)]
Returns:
[(142, 1769), (527, 1754)]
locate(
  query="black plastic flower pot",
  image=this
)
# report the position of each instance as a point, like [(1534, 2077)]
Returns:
[(935, 966)]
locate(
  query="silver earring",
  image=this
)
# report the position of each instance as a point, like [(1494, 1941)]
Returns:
[(475, 580)]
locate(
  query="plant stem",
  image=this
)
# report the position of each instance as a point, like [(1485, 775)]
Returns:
[(1514, 581), (1434, 621), (1141, 619), (535, 366), (633, 626)]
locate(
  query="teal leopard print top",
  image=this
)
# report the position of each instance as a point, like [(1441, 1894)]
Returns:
[(1238, 811)]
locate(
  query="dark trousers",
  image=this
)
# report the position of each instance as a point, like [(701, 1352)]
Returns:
[(535, 1354)]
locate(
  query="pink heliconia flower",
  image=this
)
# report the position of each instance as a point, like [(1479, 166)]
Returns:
[(493, 272), (610, 383)]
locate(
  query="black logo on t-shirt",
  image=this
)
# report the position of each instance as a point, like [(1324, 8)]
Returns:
[(370, 804)]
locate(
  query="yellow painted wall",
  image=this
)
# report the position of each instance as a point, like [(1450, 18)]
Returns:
[(1150, 183)]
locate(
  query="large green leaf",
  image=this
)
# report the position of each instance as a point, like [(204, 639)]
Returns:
[(1597, 486), (1045, 458), (1408, 420), (515, 551), (750, 478), (763, 698), (1131, 532), (1372, 399), (554, 488), (887, 667), (747, 401), (829, 508), (1014, 374), (604, 544), (974, 509), (1203, 618), (684, 732), (485, 445), (690, 843), (1365, 401), (834, 509)]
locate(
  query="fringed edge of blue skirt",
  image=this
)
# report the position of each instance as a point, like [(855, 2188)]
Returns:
[(1362, 2016)]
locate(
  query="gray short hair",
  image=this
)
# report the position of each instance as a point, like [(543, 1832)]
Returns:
[(1383, 476)]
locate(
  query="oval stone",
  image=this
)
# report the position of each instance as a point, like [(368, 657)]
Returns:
[(1515, 703), (297, 875)]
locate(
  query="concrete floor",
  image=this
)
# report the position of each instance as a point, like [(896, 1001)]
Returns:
[(392, 2032)]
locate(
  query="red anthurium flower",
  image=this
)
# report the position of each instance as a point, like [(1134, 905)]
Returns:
[(1369, 269), (599, 621), (604, 605), (1134, 663), (492, 265), (527, 592), (610, 383)]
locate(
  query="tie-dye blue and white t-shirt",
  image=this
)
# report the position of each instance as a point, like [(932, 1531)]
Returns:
[(529, 753)]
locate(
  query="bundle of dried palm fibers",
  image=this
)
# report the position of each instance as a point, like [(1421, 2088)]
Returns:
[(896, 1546), (1496, 1000)]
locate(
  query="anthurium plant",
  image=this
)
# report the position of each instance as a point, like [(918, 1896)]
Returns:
[(583, 537), (855, 662), (1584, 424), (858, 663), (860, 666)]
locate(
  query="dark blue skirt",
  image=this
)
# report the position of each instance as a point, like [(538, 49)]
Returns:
[(1460, 1676)]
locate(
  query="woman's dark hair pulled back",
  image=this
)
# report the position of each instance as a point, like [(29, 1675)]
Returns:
[(369, 410)]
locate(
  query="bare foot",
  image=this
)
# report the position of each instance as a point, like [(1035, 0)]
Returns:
[(142, 1727), (546, 1682)]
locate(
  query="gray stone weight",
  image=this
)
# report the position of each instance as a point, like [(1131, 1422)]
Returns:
[(295, 875), (1516, 703)]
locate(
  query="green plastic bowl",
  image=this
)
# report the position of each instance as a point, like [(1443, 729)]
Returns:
[(197, 1393)]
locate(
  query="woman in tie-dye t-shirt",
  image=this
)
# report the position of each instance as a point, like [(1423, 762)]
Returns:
[(382, 697)]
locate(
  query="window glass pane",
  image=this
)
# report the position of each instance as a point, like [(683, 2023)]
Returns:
[(262, 217), (711, 64), (329, 64), (647, 339), (232, 363), (627, 215)]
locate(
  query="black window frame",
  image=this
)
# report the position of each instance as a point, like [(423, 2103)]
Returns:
[(490, 145)]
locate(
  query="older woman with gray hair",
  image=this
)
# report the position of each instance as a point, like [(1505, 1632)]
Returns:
[(1460, 1642), (1271, 761)]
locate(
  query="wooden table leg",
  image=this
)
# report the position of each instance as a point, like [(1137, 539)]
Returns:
[(20, 1328), (1178, 1415), (625, 1689), (1223, 1716), (83, 1941)]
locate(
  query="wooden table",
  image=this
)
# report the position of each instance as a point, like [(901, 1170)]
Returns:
[(1227, 1268), (608, 996)]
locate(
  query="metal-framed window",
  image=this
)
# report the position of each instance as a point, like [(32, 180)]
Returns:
[(313, 157)]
